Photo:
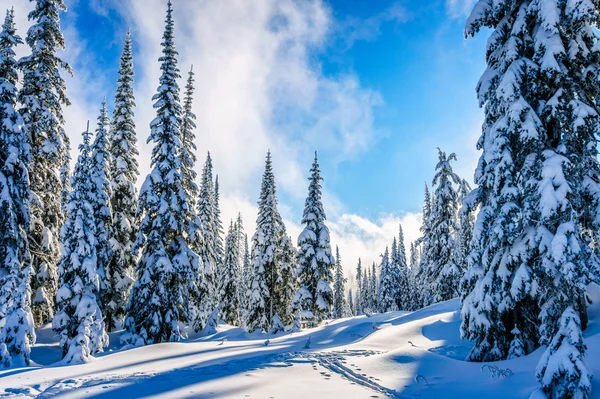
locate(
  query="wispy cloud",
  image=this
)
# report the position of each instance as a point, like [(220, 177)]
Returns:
[(353, 29), (459, 8)]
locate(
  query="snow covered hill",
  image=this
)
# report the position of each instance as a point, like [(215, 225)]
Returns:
[(407, 355)]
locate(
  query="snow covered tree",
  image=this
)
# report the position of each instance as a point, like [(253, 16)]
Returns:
[(286, 285), (465, 228), (261, 303), (315, 262), (65, 174), (246, 281), (388, 284), (100, 162), (228, 281), (188, 156), (17, 332), (124, 197), (205, 298), (398, 261), (359, 287), (339, 289), (365, 291), (78, 321), (350, 303), (374, 285), (415, 298), (167, 268), (218, 225), (537, 187), (561, 370), (42, 97), (438, 270)]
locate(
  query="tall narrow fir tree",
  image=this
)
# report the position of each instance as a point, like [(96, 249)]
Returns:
[(42, 98), (17, 333)]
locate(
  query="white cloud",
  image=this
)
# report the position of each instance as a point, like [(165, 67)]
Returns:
[(258, 87)]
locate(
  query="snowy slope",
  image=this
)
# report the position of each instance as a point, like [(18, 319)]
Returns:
[(348, 358)]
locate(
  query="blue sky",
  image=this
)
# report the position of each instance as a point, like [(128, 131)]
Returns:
[(374, 86)]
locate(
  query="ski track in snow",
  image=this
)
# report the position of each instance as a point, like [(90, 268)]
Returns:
[(336, 363), (333, 361)]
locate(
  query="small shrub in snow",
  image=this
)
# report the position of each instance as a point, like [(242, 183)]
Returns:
[(497, 372)]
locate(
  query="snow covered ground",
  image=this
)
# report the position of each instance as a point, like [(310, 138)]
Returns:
[(407, 355)]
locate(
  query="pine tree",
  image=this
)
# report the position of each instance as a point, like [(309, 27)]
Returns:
[(338, 287), (206, 209), (465, 228), (65, 175), (404, 280), (124, 198), (188, 156), (400, 268), (205, 297), (415, 295), (438, 270), (351, 305), (286, 285), (374, 284), (424, 294), (388, 284), (17, 333), (261, 304), (239, 242), (218, 225), (78, 321), (315, 263), (167, 268), (228, 281), (366, 292), (42, 97), (100, 162), (246, 283), (359, 289), (537, 187)]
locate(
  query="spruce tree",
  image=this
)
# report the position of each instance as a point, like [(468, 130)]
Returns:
[(239, 237), (414, 302), (78, 321), (246, 283), (228, 281), (167, 268), (286, 285), (17, 333), (188, 156), (365, 291), (359, 287), (438, 269), (403, 298), (350, 303), (100, 162), (124, 197), (537, 187), (388, 284), (374, 284), (465, 228), (315, 262), (261, 303), (218, 225), (339, 290), (205, 297), (42, 97)]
